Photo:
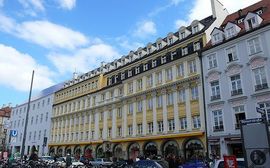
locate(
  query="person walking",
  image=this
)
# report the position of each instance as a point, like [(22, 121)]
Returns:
[(68, 160)]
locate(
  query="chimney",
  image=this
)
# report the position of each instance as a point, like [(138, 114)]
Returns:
[(240, 13), (218, 9)]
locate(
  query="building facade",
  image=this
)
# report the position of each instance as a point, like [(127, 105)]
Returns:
[(149, 102), (39, 123), (4, 124), (236, 76)]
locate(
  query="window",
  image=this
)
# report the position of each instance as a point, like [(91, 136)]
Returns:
[(149, 50), (217, 120), (236, 85), (184, 51), (160, 126), (130, 87), (32, 120), (239, 112), (230, 32), (180, 70), (169, 75), (129, 73), (111, 94), (194, 93), (103, 97), (196, 122), (212, 61), (231, 53), (266, 107), (192, 66), (119, 131), (120, 91), (159, 101), (181, 96), (139, 129), (171, 125), (48, 101), (137, 70), (170, 99), (260, 79), (196, 46), (150, 127), (170, 40), (139, 106), (130, 130), (159, 45), (139, 84), (173, 54), (159, 77), (39, 135), (41, 118), (163, 60), (100, 117), (154, 63), (119, 112), (130, 108), (46, 117), (122, 76), (149, 104), (251, 23), (215, 89), (100, 133), (216, 37), (183, 35), (149, 80), (32, 108), (145, 67), (195, 29), (183, 123), (254, 46)]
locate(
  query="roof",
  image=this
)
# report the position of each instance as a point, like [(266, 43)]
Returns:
[(263, 5), (5, 112)]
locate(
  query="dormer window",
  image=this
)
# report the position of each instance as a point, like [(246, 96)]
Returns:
[(154, 63), (115, 78), (184, 51), (163, 59), (170, 40), (145, 67), (251, 22), (140, 54), (230, 32), (137, 70), (149, 50), (216, 37), (183, 35), (110, 81), (173, 54), (159, 46), (259, 12), (195, 29)]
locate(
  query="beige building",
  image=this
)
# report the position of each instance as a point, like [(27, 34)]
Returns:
[(149, 102)]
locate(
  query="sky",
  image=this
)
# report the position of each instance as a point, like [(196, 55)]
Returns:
[(58, 37)]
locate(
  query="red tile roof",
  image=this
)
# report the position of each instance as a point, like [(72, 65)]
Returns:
[(5, 112), (263, 5)]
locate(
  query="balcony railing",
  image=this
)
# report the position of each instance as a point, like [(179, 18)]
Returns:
[(215, 97), (218, 128), (261, 86), (236, 92)]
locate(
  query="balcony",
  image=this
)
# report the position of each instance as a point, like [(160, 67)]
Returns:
[(215, 97), (236, 92), (261, 86), (218, 128)]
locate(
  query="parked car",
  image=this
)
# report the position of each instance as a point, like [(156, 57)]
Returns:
[(146, 164), (220, 163), (61, 162), (120, 164), (99, 162), (47, 159)]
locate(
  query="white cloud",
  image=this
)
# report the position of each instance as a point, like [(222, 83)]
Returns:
[(67, 4), (202, 9), (32, 5), (44, 33), (127, 44), (145, 28), (84, 59), (179, 23), (16, 69)]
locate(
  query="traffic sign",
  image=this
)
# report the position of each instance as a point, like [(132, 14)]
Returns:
[(230, 162), (13, 133)]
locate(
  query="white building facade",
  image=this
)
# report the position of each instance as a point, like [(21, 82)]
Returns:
[(39, 122), (236, 76)]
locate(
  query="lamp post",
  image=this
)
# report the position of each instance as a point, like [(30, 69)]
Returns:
[(26, 119)]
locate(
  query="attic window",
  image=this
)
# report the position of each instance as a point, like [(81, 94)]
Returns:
[(184, 51), (240, 20), (145, 67), (159, 45), (140, 54), (129, 73), (163, 59), (122, 76), (195, 29), (149, 50), (196, 46), (137, 70), (230, 32), (259, 12), (251, 22), (216, 37), (183, 35), (170, 40)]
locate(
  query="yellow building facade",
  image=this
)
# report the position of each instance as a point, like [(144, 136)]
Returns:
[(149, 102)]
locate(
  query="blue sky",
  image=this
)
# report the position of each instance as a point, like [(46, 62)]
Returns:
[(57, 37)]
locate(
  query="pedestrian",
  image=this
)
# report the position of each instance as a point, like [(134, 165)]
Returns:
[(68, 160)]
